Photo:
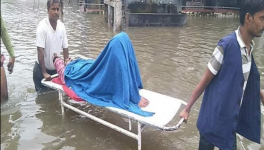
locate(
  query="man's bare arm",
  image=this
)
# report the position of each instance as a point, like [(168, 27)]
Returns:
[(206, 79), (42, 64), (262, 96), (65, 55)]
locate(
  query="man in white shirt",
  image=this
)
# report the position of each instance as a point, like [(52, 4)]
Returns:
[(51, 38)]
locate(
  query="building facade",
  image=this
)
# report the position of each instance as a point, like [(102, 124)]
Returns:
[(220, 3)]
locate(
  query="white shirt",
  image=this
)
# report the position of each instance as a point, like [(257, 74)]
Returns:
[(53, 41), (246, 59)]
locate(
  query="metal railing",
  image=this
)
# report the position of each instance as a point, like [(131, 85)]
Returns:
[(92, 7), (212, 7)]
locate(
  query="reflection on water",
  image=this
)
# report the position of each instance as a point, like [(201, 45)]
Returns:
[(171, 61)]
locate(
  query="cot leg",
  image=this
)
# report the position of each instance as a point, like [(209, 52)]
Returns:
[(129, 121), (139, 136), (61, 100)]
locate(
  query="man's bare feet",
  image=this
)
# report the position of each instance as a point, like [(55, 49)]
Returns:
[(143, 102)]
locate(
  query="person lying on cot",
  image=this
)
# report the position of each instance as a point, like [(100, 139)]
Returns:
[(113, 79)]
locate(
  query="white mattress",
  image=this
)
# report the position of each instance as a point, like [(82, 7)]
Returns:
[(163, 106)]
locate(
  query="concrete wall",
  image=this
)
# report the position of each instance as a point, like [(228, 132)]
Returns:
[(178, 3), (190, 3), (167, 16), (154, 19), (114, 13), (155, 1), (227, 3)]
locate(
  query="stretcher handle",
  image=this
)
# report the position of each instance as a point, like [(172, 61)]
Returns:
[(52, 76), (177, 126)]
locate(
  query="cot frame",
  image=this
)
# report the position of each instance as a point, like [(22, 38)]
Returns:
[(140, 124)]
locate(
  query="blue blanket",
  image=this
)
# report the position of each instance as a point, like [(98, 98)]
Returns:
[(113, 79)]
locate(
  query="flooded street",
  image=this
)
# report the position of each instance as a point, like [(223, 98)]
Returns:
[(171, 61)]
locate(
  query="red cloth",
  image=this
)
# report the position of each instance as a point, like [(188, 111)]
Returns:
[(59, 65), (66, 89)]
